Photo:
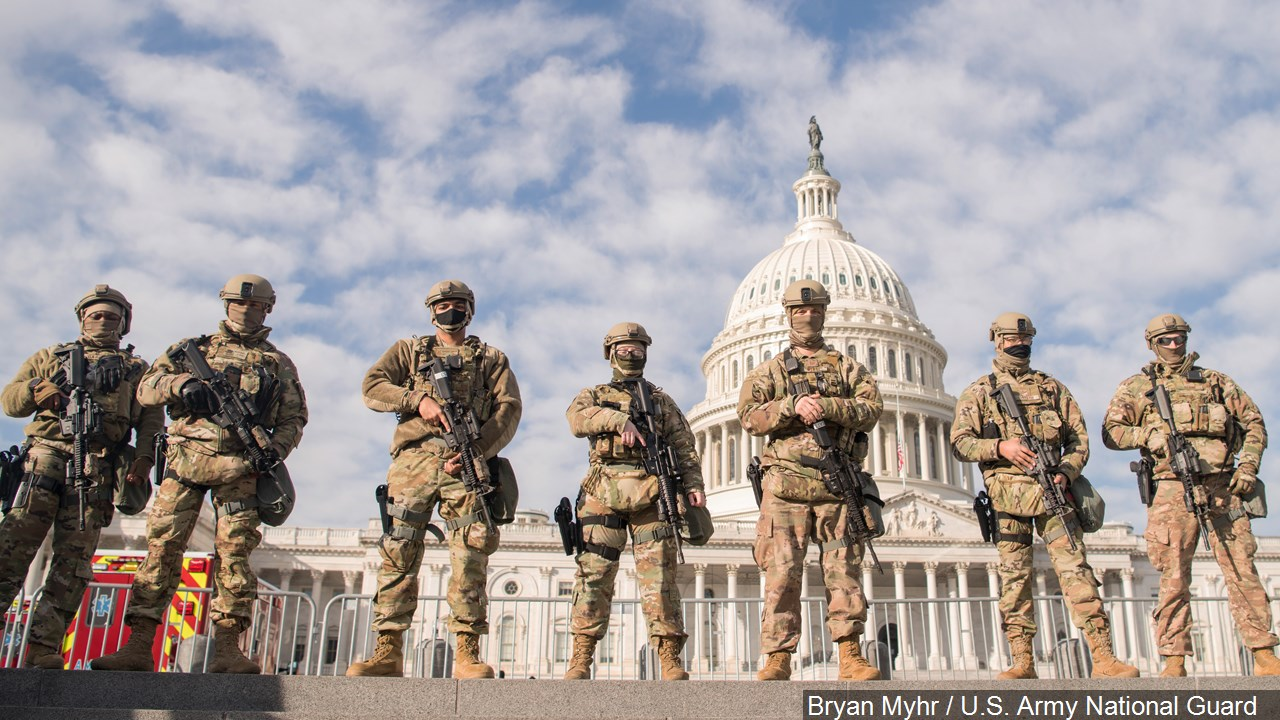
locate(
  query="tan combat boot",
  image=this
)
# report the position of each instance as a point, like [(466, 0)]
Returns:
[(853, 666), (1174, 666), (1024, 661), (584, 652), (467, 665), (777, 667), (44, 657), (136, 653), (227, 657), (1105, 664), (387, 659), (669, 655), (1265, 662)]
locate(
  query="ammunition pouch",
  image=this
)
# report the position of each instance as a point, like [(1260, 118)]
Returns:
[(276, 495), (987, 521), (698, 527), (1091, 509), (506, 495), (129, 498), (1255, 502)]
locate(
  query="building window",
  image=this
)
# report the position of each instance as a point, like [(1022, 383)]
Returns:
[(751, 293), (767, 355), (604, 650), (511, 587), (908, 367), (733, 462), (915, 451), (564, 588), (560, 650), (873, 282), (507, 639), (735, 373), (853, 352), (920, 369), (893, 364), (330, 650), (777, 283), (857, 280), (844, 279), (751, 363), (826, 279), (871, 360)]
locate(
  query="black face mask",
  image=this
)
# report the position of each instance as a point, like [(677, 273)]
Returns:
[(451, 319), (1022, 352)]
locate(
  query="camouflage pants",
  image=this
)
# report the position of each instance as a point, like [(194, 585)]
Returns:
[(783, 534), (23, 530), (655, 572), (1172, 536), (1075, 576), (174, 512), (417, 481)]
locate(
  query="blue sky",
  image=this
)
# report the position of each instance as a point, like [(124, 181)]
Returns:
[(1091, 164)]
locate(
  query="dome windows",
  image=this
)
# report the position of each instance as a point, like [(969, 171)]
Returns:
[(826, 279), (844, 279), (857, 280), (893, 364), (873, 283), (908, 368)]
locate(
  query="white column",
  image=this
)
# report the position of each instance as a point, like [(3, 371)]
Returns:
[(1130, 617), (806, 617), (744, 455), (931, 591), (349, 579), (966, 617), (1218, 625), (877, 451), (1044, 637), (905, 657), (732, 617), (952, 653), (995, 653), (868, 585), (317, 596), (926, 471), (723, 476), (286, 579), (944, 452)]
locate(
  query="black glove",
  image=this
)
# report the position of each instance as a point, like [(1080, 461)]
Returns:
[(197, 397), (108, 372)]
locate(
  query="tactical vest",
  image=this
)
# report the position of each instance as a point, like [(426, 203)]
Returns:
[(1039, 401), (1200, 413), (467, 383), (117, 405), (825, 378), (608, 447), (256, 370)]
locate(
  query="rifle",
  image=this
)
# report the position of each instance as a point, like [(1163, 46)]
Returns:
[(659, 458), (1184, 461), (237, 412), (462, 434), (1047, 460), (81, 417), (842, 475)]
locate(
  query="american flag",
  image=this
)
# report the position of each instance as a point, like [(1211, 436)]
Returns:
[(902, 460)]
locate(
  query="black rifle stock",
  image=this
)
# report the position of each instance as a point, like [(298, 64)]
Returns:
[(659, 459), (1184, 461), (1046, 467), (80, 420), (462, 434), (234, 411), (842, 475)]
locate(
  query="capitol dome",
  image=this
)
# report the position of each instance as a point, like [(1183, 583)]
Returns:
[(872, 319)]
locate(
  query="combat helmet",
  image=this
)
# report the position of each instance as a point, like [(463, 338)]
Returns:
[(249, 287), (624, 332), (1165, 324), (1011, 323), (106, 293), (805, 292)]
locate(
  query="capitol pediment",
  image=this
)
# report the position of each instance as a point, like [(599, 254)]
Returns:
[(913, 515)]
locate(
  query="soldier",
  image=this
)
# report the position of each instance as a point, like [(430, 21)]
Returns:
[(206, 458), (425, 473), (1225, 428), (45, 498), (617, 494), (796, 506), (984, 434)]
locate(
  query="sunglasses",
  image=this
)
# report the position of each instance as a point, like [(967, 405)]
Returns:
[(1171, 340), (99, 316)]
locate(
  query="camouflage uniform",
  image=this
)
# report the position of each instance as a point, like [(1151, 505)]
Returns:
[(618, 494), (797, 508), (52, 502), (417, 483), (1056, 420), (203, 457), (1225, 427)]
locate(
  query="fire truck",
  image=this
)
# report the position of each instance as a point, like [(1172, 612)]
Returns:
[(98, 627)]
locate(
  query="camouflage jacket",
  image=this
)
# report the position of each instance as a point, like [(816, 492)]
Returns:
[(122, 414), (1054, 418), (766, 406), (1218, 418), (398, 382), (601, 412), (249, 361)]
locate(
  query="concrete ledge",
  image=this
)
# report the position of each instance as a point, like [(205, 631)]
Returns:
[(45, 695)]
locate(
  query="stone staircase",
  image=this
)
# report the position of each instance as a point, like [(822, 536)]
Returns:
[(47, 695)]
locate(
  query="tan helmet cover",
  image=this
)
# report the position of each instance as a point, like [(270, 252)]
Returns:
[(1165, 324), (450, 290), (106, 293), (249, 287), (805, 292), (1011, 323), (625, 332)]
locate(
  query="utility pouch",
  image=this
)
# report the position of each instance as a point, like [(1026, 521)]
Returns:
[(502, 501)]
